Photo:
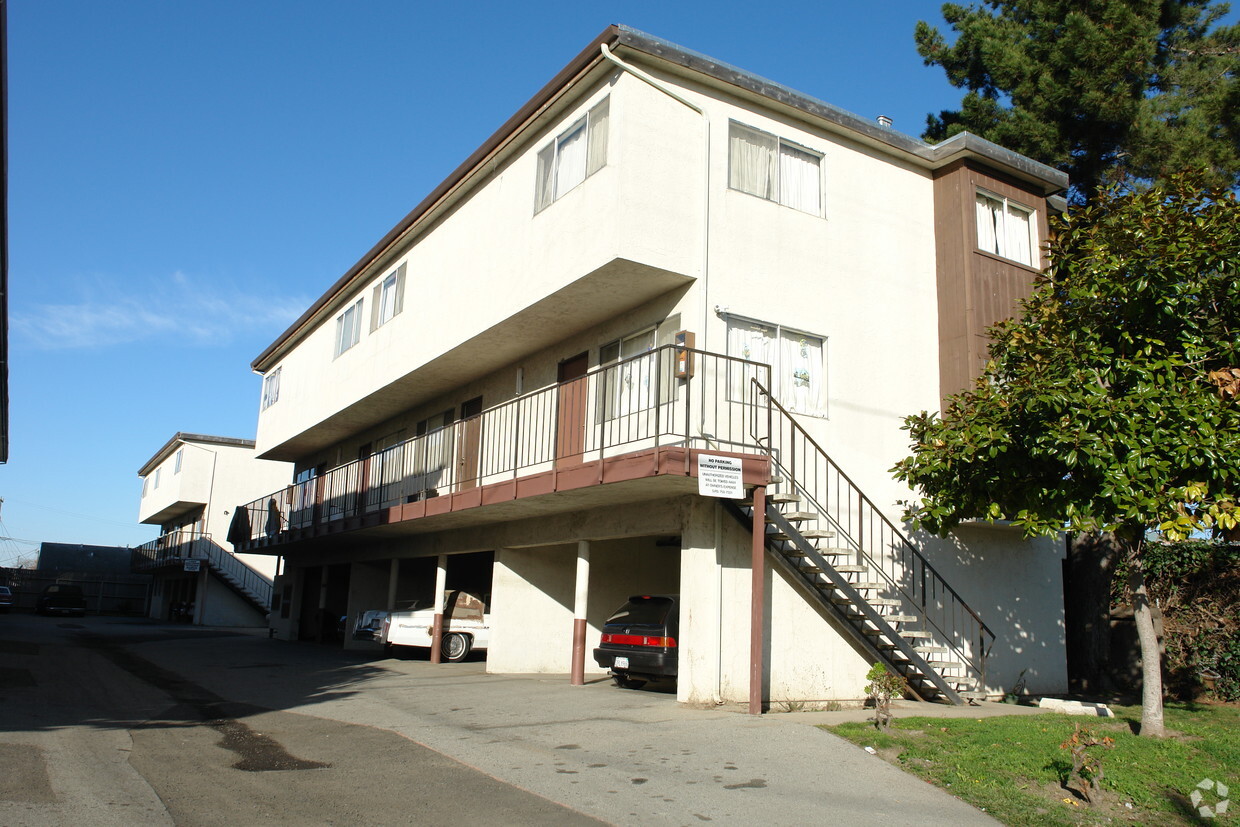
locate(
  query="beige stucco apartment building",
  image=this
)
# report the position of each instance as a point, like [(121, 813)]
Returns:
[(191, 488), (662, 258)]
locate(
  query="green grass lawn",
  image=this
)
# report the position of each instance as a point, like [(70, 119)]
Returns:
[(1014, 768)]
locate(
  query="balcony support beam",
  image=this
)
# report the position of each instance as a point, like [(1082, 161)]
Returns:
[(441, 583), (757, 600), (580, 606)]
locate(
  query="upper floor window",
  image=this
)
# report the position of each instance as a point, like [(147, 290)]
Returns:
[(388, 299), (271, 388), (157, 478), (176, 466), (769, 167), (349, 327), (796, 361), (145, 485), (577, 153), (1006, 229)]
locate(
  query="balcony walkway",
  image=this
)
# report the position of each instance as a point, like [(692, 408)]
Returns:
[(632, 477)]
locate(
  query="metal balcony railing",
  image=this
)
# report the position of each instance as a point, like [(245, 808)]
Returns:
[(669, 396)]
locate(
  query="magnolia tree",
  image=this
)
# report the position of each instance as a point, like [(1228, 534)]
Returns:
[(1112, 403)]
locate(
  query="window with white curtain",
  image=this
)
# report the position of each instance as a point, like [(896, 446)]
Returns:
[(1006, 229), (349, 327), (577, 153), (271, 388), (629, 387), (388, 298), (795, 357), (769, 167)]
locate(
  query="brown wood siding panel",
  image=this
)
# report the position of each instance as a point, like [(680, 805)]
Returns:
[(954, 233), (975, 290)]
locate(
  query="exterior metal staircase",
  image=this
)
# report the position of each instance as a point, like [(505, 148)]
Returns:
[(173, 548), (856, 565)]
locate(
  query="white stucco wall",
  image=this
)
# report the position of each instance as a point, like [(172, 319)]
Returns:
[(1016, 586)]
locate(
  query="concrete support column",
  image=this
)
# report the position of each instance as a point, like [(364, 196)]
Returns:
[(580, 605), (393, 580), (757, 601), (322, 612), (441, 583)]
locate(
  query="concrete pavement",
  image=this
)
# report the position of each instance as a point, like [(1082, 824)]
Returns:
[(623, 756)]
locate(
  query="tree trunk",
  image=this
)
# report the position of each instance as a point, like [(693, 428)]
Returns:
[(1151, 657), (1089, 570)]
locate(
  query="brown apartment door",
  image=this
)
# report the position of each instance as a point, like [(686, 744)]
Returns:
[(570, 434), (469, 443)]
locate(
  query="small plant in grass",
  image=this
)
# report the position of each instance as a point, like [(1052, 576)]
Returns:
[(882, 687), (1086, 774)]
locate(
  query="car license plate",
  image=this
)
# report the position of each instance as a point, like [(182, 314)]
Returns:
[(620, 663)]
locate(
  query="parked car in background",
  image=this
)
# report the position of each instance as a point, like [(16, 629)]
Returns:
[(639, 641), (6, 599), (466, 626), (61, 599)]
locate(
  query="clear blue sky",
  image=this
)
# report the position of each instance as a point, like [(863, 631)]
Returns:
[(186, 177)]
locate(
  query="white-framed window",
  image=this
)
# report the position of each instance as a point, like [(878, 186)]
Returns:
[(796, 359), (176, 465), (388, 298), (629, 387), (271, 388), (769, 167), (1006, 229), (349, 327), (157, 477), (145, 485), (576, 153)]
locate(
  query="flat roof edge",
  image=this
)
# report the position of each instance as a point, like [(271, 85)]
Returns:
[(182, 436), (933, 155)]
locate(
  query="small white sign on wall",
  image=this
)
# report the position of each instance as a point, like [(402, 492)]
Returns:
[(193, 565), (720, 477)]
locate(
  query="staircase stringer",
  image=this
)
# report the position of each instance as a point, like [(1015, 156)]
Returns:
[(841, 586)]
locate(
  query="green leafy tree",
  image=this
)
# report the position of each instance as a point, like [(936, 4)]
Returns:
[(1113, 402), (1112, 92)]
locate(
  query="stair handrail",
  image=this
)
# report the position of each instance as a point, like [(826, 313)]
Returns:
[(985, 633), (249, 580)]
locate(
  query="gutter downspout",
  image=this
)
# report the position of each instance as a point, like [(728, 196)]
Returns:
[(705, 301), (650, 79)]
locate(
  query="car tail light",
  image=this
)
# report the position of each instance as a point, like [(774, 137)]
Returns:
[(640, 640)]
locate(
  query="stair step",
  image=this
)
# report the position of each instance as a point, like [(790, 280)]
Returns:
[(915, 633), (799, 516), (962, 680), (901, 618), (852, 569), (973, 695), (864, 586), (782, 499), (931, 650), (808, 534), (873, 601)]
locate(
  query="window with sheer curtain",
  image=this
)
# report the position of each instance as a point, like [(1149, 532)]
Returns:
[(1006, 229), (795, 357), (349, 327), (388, 298), (577, 153), (769, 167), (630, 386)]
